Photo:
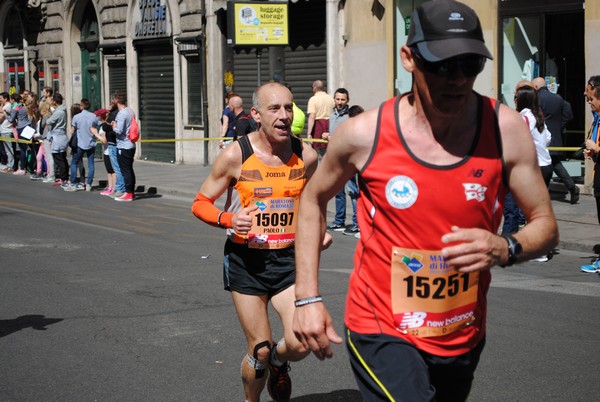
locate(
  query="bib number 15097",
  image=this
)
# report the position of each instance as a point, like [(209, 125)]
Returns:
[(274, 219)]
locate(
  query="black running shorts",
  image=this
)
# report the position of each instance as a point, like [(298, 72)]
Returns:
[(108, 165), (388, 368), (258, 272)]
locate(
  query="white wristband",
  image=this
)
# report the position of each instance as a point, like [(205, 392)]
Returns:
[(308, 300)]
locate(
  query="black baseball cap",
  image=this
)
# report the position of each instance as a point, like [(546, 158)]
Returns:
[(441, 29)]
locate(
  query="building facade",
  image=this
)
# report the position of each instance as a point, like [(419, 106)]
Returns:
[(175, 58)]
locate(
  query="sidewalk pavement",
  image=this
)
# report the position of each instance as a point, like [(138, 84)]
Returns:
[(578, 224)]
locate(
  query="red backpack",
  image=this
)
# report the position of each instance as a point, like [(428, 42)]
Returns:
[(134, 128)]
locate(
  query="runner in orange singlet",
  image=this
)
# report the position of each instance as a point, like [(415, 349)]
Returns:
[(270, 168), (434, 167)]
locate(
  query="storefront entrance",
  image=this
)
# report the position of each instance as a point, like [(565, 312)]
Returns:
[(535, 41)]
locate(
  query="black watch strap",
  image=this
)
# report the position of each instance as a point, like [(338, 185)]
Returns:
[(514, 249)]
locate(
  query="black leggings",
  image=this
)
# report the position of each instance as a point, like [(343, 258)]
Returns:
[(61, 166)]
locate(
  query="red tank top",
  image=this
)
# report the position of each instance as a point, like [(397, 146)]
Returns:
[(400, 285)]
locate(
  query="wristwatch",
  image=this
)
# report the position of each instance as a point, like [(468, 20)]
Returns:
[(514, 249)]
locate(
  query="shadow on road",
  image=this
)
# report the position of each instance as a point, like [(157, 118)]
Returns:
[(347, 395), (141, 193), (37, 322)]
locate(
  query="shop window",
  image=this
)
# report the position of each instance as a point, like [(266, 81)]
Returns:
[(193, 89), (16, 76), (53, 78)]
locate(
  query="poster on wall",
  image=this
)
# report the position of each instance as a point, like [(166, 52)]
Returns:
[(257, 23)]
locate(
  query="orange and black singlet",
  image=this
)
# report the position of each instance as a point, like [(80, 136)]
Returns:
[(276, 191), (401, 285)]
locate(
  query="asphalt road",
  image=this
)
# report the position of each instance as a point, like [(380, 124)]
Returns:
[(108, 301)]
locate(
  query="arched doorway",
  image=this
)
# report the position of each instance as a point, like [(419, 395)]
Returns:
[(89, 81), (14, 78)]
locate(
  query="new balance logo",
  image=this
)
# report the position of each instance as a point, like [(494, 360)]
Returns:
[(413, 320), (476, 173)]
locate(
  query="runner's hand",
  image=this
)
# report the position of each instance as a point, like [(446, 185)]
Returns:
[(313, 327), (242, 221), (473, 249)]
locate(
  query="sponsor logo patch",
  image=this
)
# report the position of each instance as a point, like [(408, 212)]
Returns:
[(474, 191), (401, 192), (263, 191)]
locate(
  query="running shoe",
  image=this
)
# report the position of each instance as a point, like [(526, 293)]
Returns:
[(48, 179), (543, 258), (7, 170), (351, 231), (336, 227), (592, 268), (36, 177), (19, 172), (74, 187), (60, 183), (108, 191), (88, 187), (279, 383)]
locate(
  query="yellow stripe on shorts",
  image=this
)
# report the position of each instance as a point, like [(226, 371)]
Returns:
[(373, 376)]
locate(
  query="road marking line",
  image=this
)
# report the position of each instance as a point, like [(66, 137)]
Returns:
[(66, 220)]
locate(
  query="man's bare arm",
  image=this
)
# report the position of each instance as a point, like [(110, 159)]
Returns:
[(351, 145), (475, 249), (311, 124)]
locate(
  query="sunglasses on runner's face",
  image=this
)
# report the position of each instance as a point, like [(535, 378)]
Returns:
[(470, 65)]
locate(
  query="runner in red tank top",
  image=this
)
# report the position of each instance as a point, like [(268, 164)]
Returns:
[(434, 167)]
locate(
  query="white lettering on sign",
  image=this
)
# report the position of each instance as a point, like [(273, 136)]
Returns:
[(152, 19)]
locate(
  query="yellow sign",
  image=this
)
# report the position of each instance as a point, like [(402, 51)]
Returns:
[(261, 24)]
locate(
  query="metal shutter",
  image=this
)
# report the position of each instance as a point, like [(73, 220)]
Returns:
[(304, 60), (302, 68), (157, 100), (245, 73), (117, 76)]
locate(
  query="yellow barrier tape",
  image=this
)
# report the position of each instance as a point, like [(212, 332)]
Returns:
[(166, 140), (11, 139)]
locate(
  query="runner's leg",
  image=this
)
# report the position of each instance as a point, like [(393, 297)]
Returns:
[(253, 316)]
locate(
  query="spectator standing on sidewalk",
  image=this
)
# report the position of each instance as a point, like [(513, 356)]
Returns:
[(6, 131), (227, 119), (57, 135), (20, 119), (434, 167), (352, 185), (119, 189), (86, 146), (557, 114), (46, 112), (592, 151), (125, 148), (105, 134), (341, 97), (270, 168), (318, 110)]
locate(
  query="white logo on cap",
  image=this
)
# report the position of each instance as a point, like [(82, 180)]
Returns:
[(456, 17)]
